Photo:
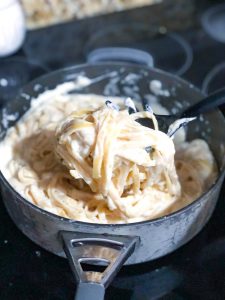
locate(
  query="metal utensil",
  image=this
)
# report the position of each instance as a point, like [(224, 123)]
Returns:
[(171, 123)]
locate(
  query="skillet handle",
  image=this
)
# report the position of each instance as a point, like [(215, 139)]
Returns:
[(95, 249), (121, 54)]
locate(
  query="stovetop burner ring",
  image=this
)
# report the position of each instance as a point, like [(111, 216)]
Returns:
[(211, 82), (213, 22), (170, 51)]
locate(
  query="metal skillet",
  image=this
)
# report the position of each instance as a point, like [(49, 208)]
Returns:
[(116, 244)]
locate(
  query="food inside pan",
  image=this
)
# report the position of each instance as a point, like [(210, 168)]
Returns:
[(81, 158)]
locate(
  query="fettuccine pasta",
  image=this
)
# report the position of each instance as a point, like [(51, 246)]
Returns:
[(98, 164)]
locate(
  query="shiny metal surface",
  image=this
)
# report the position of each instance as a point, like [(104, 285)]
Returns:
[(81, 248)]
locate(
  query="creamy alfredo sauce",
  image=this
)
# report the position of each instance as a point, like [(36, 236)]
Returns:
[(139, 189)]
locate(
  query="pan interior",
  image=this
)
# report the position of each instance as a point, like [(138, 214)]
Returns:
[(128, 81)]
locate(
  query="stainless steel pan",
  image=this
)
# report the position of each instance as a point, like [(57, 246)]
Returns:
[(114, 245)]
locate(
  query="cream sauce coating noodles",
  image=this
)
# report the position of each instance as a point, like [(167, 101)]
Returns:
[(77, 158)]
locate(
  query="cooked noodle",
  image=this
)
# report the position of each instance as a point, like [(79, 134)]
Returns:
[(99, 165)]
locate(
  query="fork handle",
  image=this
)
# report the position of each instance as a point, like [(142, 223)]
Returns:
[(207, 104)]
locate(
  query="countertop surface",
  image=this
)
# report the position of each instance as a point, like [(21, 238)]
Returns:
[(195, 271)]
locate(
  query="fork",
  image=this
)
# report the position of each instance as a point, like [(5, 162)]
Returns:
[(171, 123)]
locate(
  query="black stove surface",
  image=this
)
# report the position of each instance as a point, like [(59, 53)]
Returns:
[(195, 271)]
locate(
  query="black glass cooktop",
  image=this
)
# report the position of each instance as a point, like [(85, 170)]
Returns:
[(195, 271)]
